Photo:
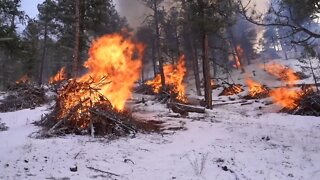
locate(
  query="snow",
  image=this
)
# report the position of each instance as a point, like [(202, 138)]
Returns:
[(229, 142)]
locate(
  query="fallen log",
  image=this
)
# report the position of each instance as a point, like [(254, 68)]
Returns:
[(247, 103), (296, 85), (184, 108)]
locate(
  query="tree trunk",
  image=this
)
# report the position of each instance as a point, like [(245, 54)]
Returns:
[(156, 19), (196, 68), (205, 57), (206, 72), (237, 53), (76, 60), (43, 57), (154, 61), (313, 74), (194, 52)]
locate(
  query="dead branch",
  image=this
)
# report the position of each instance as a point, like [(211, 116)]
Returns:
[(102, 171)]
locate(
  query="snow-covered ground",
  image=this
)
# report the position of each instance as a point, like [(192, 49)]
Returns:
[(229, 142)]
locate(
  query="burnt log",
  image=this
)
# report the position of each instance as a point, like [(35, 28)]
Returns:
[(184, 109)]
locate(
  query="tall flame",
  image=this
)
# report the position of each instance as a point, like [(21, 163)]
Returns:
[(60, 76), (118, 59), (285, 97), (174, 75)]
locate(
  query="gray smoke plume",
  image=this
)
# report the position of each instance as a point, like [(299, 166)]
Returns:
[(133, 10)]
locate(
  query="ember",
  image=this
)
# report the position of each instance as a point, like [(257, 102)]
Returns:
[(232, 90), (309, 105), (256, 90), (174, 75), (23, 79), (60, 76)]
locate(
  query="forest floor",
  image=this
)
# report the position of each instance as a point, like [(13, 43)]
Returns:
[(229, 142)]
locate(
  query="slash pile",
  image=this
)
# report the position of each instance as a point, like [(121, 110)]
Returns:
[(23, 95), (81, 109), (308, 105), (232, 89)]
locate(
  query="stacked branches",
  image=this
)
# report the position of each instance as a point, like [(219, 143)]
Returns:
[(23, 95), (81, 109)]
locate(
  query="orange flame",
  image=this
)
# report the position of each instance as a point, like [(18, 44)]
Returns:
[(60, 76), (255, 88), (285, 97), (119, 60), (23, 79), (284, 73), (174, 76), (231, 90)]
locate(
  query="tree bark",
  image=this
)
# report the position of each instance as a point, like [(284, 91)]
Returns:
[(76, 59), (156, 19), (206, 71), (205, 57)]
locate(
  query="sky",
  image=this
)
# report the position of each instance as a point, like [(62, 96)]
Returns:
[(30, 7)]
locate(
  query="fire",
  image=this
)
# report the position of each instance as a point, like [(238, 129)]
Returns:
[(23, 79), (119, 60), (287, 98), (255, 88), (284, 73), (212, 83), (174, 75), (60, 76), (231, 90), (113, 67)]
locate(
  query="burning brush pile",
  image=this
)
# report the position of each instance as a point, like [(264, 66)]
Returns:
[(231, 89), (59, 78), (294, 100), (23, 95), (95, 102), (256, 90), (175, 88)]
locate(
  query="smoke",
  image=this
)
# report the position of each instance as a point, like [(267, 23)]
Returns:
[(134, 10)]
